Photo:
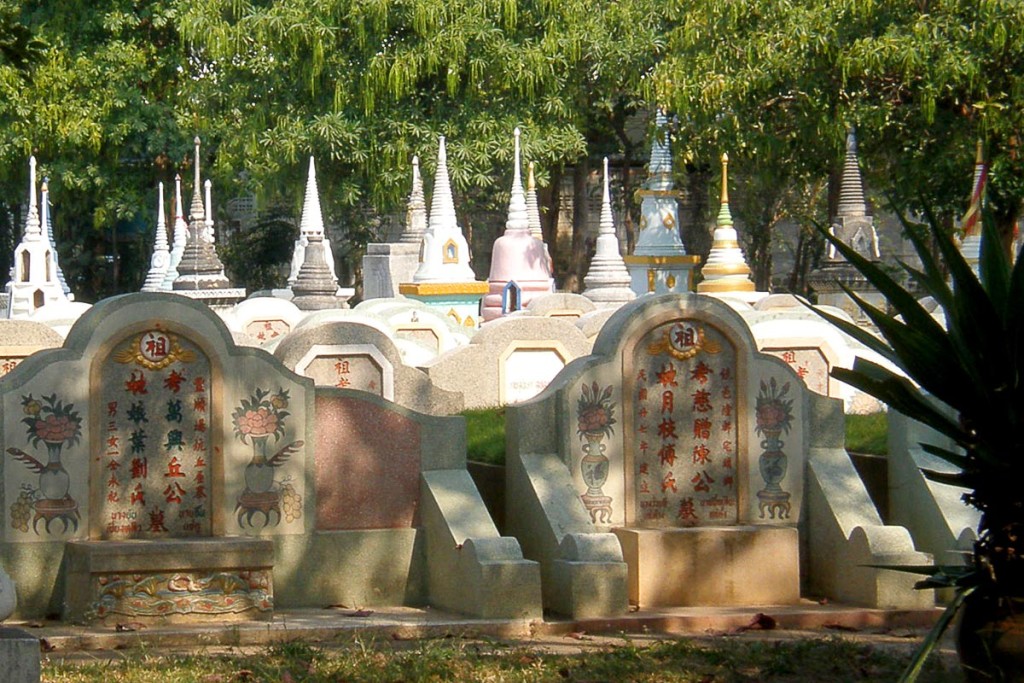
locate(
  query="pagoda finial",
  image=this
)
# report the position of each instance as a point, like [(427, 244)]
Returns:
[(416, 208), (160, 260), (725, 180), (532, 206), (32, 226), (725, 269), (442, 206), (312, 223), (208, 185), (198, 213), (518, 218), (851, 189), (607, 280), (659, 171)]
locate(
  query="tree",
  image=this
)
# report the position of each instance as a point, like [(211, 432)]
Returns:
[(776, 84)]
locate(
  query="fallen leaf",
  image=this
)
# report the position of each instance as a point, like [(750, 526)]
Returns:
[(359, 613)]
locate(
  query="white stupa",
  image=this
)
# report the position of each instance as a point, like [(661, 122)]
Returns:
[(726, 271), (178, 240), (46, 219), (315, 286), (607, 281), (34, 283), (307, 229), (161, 258), (444, 278)]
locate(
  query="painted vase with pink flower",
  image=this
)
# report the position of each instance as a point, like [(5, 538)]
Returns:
[(55, 424), (595, 417), (774, 415)]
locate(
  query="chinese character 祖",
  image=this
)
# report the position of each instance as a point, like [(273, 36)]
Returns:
[(789, 356), (684, 336), (156, 347), (667, 429), (174, 381), (342, 367)]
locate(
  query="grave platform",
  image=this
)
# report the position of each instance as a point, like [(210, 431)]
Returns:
[(169, 580), (724, 566), (340, 625)]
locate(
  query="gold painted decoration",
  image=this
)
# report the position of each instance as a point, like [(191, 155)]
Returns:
[(682, 341), (668, 220), (652, 282), (670, 281), (154, 350)]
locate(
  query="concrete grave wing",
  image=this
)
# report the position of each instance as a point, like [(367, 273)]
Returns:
[(547, 472), (103, 382), (348, 354), (415, 326), (934, 513), (593, 322), (509, 359), (411, 350)]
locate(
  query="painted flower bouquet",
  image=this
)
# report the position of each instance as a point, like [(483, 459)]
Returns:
[(51, 421), (774, 412), (595, 411)]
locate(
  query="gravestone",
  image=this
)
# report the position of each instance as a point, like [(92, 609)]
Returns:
[(352, 355), (19, 339), (681, 439), (265, 319), (141, 445), (510, 359)]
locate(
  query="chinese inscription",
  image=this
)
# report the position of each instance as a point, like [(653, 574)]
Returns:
[(684, 438)]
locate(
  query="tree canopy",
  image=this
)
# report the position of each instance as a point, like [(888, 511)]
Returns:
[(110, 97)]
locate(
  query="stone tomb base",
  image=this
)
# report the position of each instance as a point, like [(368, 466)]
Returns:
[(169, 580), (720, 566)]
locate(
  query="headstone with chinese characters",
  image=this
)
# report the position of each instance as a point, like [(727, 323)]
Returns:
[(265, 319), (150, 424), (347, 354), (683, 440), (509, 360), (154, 470), (421, 332)]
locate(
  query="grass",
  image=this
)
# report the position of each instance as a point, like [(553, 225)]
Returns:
[(719, 660), (867, 433), (485, 434)]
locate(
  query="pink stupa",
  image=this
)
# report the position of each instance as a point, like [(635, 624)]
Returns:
[(520, 266)]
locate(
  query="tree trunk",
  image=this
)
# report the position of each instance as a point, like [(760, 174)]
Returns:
[(580, 219)]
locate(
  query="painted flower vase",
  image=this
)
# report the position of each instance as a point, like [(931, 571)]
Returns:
[(594, 464), (773, 461), (259, 474), (54, 482)]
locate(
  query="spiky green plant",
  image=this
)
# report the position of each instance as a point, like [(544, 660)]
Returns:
[(975, 366)]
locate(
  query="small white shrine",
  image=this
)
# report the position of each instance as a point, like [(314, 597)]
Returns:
[(659, 262), (34, 283), (607, 282), (388, 264), (444, 278)]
